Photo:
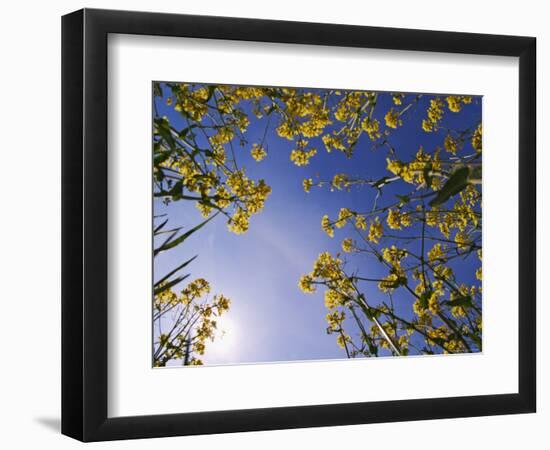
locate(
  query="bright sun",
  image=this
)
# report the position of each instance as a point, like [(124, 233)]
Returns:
[(225, 342)]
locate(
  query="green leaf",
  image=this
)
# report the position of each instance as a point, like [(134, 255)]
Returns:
[(465, 300), (404, 199), (160, 227), (172, 272), (170, 284), (163, 129), (160, 158), (424, 297), (456, 183), (166, 241), (186, 131), (171, 242)]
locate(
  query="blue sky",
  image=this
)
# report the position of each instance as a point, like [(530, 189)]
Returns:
[(270, 318)]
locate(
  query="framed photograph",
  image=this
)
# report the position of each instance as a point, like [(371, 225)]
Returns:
[(274, 225)]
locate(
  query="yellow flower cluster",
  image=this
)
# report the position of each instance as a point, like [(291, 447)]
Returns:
[(375, 231), (393, 256), (398, 99), (347, 245), (327, 266), (349, 106), (396, 219), (327, 226), (455, 102), (340, 181), (435, 114), (450, 144), (462, 240), (306, 284), (334, 142), (315, 125), (342, 339), (191, 313), (391, 282), (479, 273), (239, 222), (333, 299), (252, 196), (195, 289), (302, 157), (192, 103), (343, 216), (334, 320), (223, 197), (361, 222), (437, 254), (477, 138), (307, 184), (392, 119), (258, 152), (372, 128), (460, 217), (299, 106), (328, 270), (223, 135), (414, 172)]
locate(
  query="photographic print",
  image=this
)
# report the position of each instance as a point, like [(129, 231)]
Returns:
[(296, 224)]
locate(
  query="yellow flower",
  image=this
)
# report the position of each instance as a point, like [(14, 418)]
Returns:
[(347, 245), (302, 157), (307, 184), (223, 197), (461, 238), (392, 119), (343, 216), (396, 220), (375, 231), (390, 282), (333, 298), (238, 224), (360, 222), (326, 226), (435, 114), (450, 144), (371, 127), (258, 152), (199, 347), (223, 136), (398, 99), (436, 254), (340, 180), (204, 209), (477, 139), (306, 284), (341, 340), (335, 320), (479, 275), (455, 102), (333, 142)]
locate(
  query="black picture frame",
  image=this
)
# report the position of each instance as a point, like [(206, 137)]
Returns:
[(84, 224)]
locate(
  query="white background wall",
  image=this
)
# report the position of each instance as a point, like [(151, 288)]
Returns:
[(30, 223)]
